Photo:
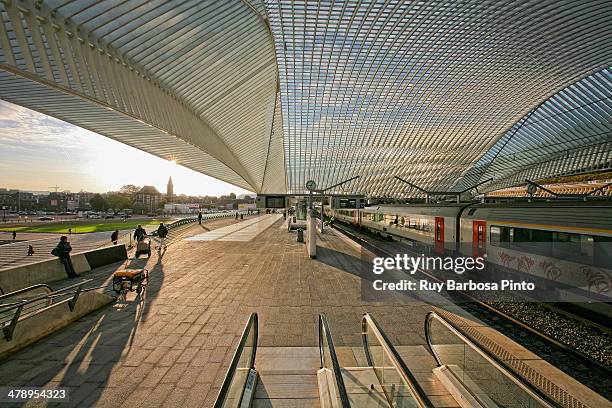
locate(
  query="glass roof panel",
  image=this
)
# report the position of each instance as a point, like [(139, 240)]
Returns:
[(421, 90)]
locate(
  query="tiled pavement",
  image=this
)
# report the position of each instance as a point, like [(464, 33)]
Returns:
[(243, 231), (172, 347), (15, 253)]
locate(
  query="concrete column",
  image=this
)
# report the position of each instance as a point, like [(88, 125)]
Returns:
[(311, 234)]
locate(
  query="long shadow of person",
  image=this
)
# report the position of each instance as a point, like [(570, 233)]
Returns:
[(101, 351)]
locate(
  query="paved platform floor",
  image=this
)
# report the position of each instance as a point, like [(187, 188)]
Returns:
[(171, 348), (242, 231)]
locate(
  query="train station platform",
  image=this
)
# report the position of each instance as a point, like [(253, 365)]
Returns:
[(172, 347)]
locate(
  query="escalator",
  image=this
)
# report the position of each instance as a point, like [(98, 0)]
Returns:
[(478, 378), (384, 381), (239, 385), (465, 371)]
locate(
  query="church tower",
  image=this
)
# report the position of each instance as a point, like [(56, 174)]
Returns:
[(169, 191)]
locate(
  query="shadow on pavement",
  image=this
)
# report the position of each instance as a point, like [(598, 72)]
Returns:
[(82, 356)]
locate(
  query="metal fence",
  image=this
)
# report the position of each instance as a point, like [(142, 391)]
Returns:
[(127, 238), (10, 313)]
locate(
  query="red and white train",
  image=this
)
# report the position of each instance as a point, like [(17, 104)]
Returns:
[(567, 241)]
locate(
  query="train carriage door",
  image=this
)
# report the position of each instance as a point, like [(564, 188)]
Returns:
[(479, 237), (439, 235)]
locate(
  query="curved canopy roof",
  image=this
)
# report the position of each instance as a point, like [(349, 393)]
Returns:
[(569, 133), (194, 81), (267, 94)]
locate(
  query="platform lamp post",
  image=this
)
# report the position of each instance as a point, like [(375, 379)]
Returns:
[(311, 186)]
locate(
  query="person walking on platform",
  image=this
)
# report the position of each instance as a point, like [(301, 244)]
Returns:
[(30, 250), (139, 233), (62, 251), (236, 215), (14, 235), (115, 237), (162, 233), (200, 218)]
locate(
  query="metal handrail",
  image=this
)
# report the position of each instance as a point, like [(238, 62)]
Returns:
[(416, 390), (189, 220), (23, 290), (325, 335), (19, 306), (533, 391), (42, 297), (252, 324)]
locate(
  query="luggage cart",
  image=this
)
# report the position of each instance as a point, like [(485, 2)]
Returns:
[(130, 280)]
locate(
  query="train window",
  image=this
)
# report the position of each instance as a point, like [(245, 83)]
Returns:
[(500, 236), (585, 249), (573, 247), (530, 240), (495, 233), (531, 235), (602, 251)]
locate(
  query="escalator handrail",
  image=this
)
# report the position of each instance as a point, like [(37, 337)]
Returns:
[(252, 324), (494, 360), (325, 335), (415, 388)]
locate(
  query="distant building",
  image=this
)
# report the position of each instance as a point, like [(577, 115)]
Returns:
[(170, 191), (15, 200), (147, 199), (191, 208), (80, 200)]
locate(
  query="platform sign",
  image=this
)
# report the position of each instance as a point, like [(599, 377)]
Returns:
[(348, 203), (275, 201)]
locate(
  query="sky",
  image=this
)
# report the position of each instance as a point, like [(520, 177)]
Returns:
[(38, 152)]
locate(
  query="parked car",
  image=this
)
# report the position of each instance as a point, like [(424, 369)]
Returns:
[(46, 218)]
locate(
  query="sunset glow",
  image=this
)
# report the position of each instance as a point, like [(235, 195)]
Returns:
[(39, 151)]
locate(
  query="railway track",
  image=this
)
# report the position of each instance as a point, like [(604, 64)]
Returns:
[(589, 370)]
